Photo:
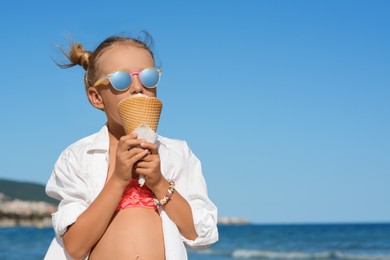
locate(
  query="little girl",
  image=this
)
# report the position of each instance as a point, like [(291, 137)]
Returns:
[(103, 212)]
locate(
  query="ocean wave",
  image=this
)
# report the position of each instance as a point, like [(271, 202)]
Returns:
[(260, 254)]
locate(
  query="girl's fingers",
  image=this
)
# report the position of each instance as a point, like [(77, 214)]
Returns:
[(149, 163), (130, 153), (137, 156), (153, 148), (142, 164), (143, 170), (128, 142)]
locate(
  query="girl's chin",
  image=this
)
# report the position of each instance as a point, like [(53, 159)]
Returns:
[(117, 124)]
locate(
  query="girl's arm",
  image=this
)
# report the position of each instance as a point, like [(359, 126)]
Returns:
[(86, 231), (177, 208), (82, 235)]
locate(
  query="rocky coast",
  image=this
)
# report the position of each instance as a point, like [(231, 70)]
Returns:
[(16, 212), (232, 221)]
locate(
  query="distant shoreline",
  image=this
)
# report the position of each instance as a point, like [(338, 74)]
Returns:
[(232, 221), (21, 213), (16, 212)]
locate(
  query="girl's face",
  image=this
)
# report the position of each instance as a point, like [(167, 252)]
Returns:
[(131, 59)]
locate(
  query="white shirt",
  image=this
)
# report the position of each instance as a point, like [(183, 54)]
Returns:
[(80, 173)]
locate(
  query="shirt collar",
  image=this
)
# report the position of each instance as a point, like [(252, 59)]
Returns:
[(100, 141)]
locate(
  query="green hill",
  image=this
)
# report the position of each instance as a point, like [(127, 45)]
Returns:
[(25, 191)]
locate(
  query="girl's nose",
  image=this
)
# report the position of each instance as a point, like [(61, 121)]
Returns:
[(136, 85)]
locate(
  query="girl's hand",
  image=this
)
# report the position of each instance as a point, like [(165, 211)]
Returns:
[(149, 166), (128, 153)]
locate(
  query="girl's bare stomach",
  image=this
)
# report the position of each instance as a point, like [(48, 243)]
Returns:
[(134, 233)]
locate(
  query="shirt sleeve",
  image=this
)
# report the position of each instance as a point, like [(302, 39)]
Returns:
[(67, 185), (204, 212)]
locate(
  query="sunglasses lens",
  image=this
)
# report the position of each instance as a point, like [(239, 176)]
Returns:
[(149, 77), (120, 80)]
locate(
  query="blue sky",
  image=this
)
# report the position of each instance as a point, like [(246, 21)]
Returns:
[(286, 103)]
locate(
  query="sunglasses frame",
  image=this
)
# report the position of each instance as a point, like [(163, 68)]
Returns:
[(108, 76)]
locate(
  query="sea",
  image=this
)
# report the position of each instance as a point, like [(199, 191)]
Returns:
[(277, 242)]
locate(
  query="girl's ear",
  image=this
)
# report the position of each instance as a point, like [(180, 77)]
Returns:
[(95, 98)]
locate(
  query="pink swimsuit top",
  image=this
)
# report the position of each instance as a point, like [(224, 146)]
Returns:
[(136, 196)]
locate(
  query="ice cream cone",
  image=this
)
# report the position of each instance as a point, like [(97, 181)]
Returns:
[(140, 110), (141, 114)]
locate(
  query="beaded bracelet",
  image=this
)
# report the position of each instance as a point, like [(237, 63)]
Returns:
[(167, 197)]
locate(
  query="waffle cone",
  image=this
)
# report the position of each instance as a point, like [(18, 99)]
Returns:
[(140, 110)]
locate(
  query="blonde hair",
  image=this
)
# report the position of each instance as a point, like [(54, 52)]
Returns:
[(77, 55)]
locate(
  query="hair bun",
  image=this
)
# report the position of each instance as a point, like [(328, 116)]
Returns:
[(79, 56), (84, 60)]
